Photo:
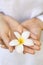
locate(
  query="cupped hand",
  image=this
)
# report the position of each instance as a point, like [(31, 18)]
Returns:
[(35, 26), (32, 25), (6, 34), (15, 26)]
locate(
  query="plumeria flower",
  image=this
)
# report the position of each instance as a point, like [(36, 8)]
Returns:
[(21, 40)]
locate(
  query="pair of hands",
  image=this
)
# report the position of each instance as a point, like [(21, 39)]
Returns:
[(8, 25)]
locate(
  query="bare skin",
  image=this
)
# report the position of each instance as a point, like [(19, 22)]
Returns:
[(31, 26), (35, 26), (5, 34), (11, 22)]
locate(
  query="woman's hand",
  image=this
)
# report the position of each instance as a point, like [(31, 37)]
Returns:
[(15, 26), (35, 26), (6, 34)]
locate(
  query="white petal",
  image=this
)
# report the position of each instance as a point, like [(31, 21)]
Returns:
[(19, 48), (29, 42), (25, 34), (17, 35), (14, 42)]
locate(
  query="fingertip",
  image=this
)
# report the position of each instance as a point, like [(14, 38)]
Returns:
[(28, 50), (11, 49)]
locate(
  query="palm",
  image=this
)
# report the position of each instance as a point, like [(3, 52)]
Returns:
[(34, 26)]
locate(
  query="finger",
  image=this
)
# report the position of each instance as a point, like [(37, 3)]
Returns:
[(35, 47), (36, 42), (2, 45), (33, 36), (6, 41), (20, 29), (28, 50), (11, 35)]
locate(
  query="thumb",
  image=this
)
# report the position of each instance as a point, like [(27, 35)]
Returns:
[(19, 28)]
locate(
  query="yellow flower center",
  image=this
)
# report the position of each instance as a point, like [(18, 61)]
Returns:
[(21, 40)]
